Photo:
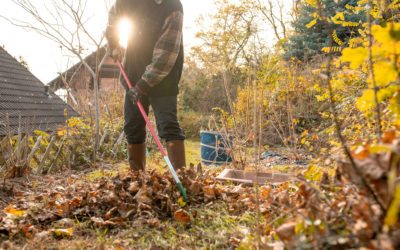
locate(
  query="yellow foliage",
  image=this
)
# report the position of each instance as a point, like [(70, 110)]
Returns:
[(62, 132), (312, 23), (331, 49), (392, 215), (356, 56), (389, 35), (336, 38), (40, 133), (350, 24), (311, 2), (366, 101), (385, 73)]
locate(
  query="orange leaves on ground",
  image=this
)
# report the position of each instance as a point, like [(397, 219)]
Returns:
[(13, 211), (182, 216), (209, 192), (361, 152), (265, 192), (27, 230), (389, 136)]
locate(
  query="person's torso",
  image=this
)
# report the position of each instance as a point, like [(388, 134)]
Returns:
[(148, 18)]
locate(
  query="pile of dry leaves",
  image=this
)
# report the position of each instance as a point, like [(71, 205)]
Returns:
[(142, 197), (337, 212)]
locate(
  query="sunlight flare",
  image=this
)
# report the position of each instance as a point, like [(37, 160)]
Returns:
[(125, 27)]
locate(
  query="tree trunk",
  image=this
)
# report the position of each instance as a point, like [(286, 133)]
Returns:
[(97, 116)]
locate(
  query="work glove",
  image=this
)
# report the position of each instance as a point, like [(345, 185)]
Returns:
[(117, 53), (134, 94)]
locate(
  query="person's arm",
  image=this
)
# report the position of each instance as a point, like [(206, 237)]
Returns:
[(114, 15), (165, 53)]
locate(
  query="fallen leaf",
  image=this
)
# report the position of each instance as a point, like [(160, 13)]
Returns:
[(134, 187), (100, 222), (154, 222), (286, 231), (195, 188), (389, 136), (182, 216), (181, 202), (361, 152), (110, 213), (13, 211), (41, 236), (209, 192), (62, 232), (235, 240), (142, 196)]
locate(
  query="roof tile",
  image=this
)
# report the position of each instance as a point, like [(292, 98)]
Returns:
[(22, 94)]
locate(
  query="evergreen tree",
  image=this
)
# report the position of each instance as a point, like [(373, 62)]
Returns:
[(311, 36)]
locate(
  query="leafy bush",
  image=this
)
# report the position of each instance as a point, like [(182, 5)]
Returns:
[(192, 122)]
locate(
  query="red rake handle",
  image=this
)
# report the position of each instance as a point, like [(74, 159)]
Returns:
[(146, 118)]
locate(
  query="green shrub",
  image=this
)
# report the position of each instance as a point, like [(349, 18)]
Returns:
[(192, 122)]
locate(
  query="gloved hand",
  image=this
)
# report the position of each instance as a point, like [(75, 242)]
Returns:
[(117, 53), (134, 94)]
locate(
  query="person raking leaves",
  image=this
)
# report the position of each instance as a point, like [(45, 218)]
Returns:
[(153, 63)]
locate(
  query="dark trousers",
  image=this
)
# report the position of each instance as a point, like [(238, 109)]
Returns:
[(165, 112)]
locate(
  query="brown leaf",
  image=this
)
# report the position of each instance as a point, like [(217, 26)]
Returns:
[(109, 214), (235, 241), (111, 197), (195, 188), (143, 196), (286, 231), (182, 216), (144, 207), (155, 222), (209, 192), (100, 222), (133, 187)]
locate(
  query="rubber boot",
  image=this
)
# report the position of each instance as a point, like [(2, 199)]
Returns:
[(137, 156), (176, 154)]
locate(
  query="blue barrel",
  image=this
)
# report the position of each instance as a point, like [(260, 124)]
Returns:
[(215, 148)]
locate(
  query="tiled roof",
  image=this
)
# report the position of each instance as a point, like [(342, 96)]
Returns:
[(22, 94)]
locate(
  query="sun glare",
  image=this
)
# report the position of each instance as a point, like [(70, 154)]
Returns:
[(125, 27)]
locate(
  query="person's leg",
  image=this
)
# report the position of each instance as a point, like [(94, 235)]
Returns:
[(135, 131), (165, 111)]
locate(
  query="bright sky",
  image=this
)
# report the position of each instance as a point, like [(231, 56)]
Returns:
[(44, 57)]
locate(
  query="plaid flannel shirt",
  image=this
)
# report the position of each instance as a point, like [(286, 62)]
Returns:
[(165, 52)]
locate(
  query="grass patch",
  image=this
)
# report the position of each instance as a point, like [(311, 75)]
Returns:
[(100, 173), (212, 228), (193, 155)]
